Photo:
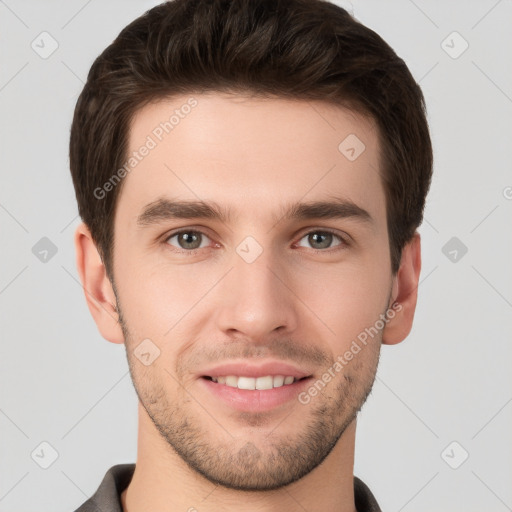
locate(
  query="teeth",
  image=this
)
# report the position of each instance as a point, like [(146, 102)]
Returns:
[(232, 381), (263, 382), (246, 382), (251, 383), (278, 381)]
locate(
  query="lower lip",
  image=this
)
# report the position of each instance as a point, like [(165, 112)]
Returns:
[(255, 400)]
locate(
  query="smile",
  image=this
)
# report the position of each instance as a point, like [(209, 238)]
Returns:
[(252, 383)]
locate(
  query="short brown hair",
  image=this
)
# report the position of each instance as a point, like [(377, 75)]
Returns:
[(299, 49)]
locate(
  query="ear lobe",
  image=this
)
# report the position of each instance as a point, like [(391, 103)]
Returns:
[(404, 294), (98, 290)]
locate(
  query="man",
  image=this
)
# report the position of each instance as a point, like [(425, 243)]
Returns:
[(250, 175)]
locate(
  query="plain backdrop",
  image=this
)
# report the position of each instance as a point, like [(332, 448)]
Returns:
[(435, 433)]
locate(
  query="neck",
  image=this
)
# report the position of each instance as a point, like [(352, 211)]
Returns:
[(163, 481)]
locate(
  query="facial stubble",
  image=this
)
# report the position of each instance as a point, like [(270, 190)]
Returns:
[(244, 462)]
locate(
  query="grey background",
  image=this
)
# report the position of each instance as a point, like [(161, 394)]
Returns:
[(62, 384)]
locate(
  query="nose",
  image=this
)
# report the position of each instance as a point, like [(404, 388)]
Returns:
[(257, 300)]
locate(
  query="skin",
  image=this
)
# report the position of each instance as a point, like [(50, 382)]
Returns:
[(303, 300)]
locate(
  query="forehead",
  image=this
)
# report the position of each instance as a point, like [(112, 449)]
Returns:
[(251, 154)]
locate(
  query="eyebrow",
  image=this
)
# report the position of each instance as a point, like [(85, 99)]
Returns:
[(164, 209)]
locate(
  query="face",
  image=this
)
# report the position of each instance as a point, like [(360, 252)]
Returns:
[(251, 252)]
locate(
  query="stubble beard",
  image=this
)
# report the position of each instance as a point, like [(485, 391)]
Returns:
[(252, 463)]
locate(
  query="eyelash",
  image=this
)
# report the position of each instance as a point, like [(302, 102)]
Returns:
[(343, 240)]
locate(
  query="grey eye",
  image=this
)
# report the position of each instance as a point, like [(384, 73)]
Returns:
[(188, 240), (321, 239)]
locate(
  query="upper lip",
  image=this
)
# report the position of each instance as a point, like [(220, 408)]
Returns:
[(245, 369)]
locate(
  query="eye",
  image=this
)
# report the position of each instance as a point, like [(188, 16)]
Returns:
[(188, 240), (319, 240)]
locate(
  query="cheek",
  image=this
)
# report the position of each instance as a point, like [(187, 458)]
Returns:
[(156, 298), (166, 301), (346, 299)]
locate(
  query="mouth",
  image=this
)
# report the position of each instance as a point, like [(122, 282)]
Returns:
[(246, 387), (261, 383), (254, 386)]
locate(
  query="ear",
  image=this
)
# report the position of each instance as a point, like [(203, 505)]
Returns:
[(98, 290), (404, 294)]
